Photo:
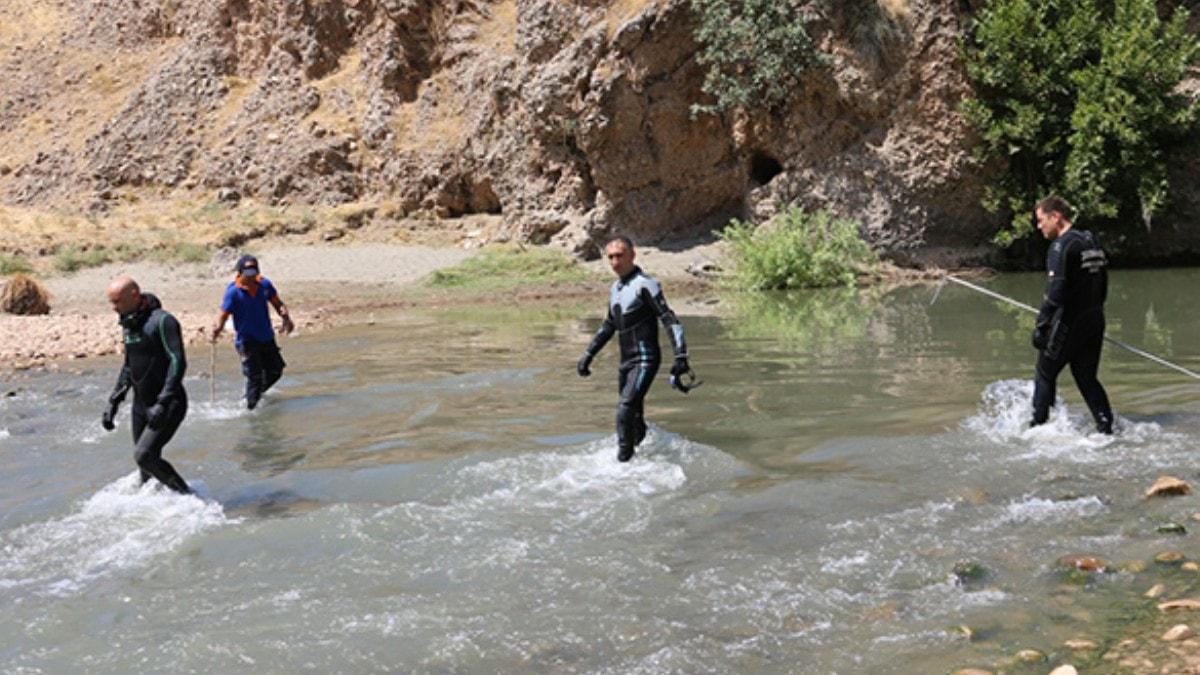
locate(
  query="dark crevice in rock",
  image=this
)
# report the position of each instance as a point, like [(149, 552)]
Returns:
[(763, 168)]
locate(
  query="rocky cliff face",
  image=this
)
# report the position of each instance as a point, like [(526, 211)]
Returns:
[(570, 118)]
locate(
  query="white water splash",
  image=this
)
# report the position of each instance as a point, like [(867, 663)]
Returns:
[(121, 527), (1005, 412)]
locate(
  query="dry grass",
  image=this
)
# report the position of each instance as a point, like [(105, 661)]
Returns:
[(499, 32), (621, 11), (24, 22), (440, 127), (345, 79), (23, 295), (897, 10)]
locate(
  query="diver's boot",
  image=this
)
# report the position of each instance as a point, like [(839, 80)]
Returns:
[(624, 454), (1104, 424)]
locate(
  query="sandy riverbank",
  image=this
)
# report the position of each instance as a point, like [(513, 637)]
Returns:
[(323, 286)]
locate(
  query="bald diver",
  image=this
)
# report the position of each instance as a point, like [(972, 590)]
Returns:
[(635, 300), (153, 370)]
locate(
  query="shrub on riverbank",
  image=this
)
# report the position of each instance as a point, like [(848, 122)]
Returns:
[(24, 295), (796, 249), (1081, 99), (502, 266), (14, 264)]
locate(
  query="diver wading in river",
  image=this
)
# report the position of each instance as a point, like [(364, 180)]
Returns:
[(153, 369), (1070, 324), (246, 298), (633, 303)]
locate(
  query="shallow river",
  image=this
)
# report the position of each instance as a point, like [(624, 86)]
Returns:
[(439, 492)]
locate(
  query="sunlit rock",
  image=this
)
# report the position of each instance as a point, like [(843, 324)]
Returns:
[(1155, 591), (1085, 563), (1065, 670), (1169, 558), (1030, 656), (1080, 645), (1178, 632), (1167, 486)]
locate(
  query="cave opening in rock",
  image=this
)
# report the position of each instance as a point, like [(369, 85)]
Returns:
[(763, 168)]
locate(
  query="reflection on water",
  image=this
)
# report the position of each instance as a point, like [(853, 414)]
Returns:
[(439, 492)]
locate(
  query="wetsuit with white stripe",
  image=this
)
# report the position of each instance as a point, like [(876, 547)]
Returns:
[(154, 367), (634, 302)]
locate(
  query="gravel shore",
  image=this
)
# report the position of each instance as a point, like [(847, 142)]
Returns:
[(320, 285)]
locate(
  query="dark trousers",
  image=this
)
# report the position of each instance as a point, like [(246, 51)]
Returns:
[(263, 365), (149, 443), (634, 379), (1082, 353)]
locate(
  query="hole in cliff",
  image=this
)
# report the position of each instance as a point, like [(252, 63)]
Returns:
[(763, 168)]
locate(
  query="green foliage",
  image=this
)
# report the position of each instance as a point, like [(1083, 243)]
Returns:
[(1080, 98), (503, 266), (755, 52), (796, 250), (13, 264), (73, 259)]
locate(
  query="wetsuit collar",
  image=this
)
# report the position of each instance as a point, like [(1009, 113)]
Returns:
[(632, 273), (137, 317)]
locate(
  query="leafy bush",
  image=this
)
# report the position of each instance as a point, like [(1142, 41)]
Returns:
[(14, 264), (797, 250), (503, 266), (73, 259), (1080, 98), (755, 51)]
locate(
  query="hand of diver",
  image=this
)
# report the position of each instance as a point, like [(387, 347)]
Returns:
[(681, 366), (156, 415), (582, 366), (1039, 339), (106, 420), (288, 326)]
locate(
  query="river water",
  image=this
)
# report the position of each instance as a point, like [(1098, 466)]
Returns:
[(439, 492)]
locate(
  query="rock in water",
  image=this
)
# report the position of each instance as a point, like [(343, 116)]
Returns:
[(1085, 563), (1179, 632), (1065, 670), (1167, 486), (1190, 604), (24, 295)]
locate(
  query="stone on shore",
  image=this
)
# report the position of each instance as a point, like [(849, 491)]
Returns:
[(1169, 558), (1030, 656), (1167, 486), (1065, 670), (1178, 632), (23, 295), (1085, 563), (1080, 645), (1155, 591), (1189, 604)]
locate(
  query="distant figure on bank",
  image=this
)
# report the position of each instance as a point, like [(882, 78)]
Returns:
[(1070, 325), (633, 303), (153, 369), (246, 298)]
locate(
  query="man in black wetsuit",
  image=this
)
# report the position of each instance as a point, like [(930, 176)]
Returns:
[(154, 367), (1070, 325), (633, 303)]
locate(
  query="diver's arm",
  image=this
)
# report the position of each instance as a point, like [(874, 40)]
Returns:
[(172, 341), (124, 382), (603, 335), (652, 294), (1056, 284)]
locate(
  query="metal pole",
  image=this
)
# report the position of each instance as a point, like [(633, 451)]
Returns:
[(1016, 303), (212, 372)]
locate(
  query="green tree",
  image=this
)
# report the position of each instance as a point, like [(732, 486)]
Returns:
[(755, 51), (1080, 98)]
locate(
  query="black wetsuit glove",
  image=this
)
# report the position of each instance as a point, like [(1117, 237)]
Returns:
[(681, 366), (1039, 338), (156, 415), (583, 367), (106, 420)]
